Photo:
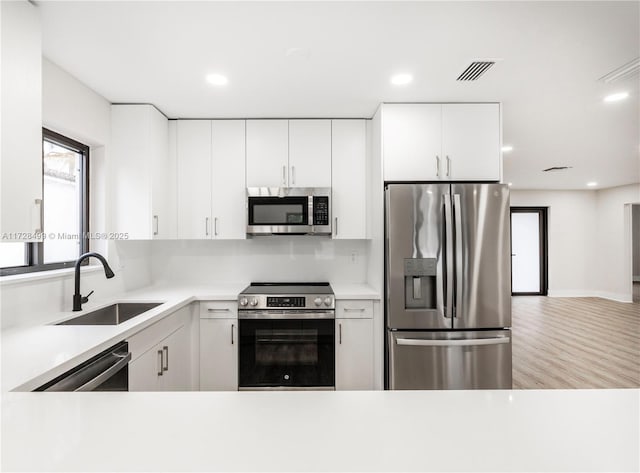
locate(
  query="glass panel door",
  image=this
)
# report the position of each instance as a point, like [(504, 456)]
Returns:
[(528, 251)]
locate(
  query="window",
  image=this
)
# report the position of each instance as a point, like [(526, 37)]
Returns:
[(65, 189)]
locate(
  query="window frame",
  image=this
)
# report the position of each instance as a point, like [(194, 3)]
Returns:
[(34, 251)]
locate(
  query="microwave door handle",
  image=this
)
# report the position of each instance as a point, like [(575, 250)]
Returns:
[(448, 259)]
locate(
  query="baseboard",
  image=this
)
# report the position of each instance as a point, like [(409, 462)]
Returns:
[(615, 296), (618, 297), (569, 293)]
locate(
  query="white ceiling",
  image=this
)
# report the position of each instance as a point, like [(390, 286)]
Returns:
[(553, 54)]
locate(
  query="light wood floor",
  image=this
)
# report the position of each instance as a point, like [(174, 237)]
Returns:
[(564, 343)]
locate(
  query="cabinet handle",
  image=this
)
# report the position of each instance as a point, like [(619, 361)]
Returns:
[(336, 221), (161, 363), (165, 349), (38, 203), (157, 225), (284, 175), (340, 334), (215, 226), (293, 175), (206, 226), (232, 327), (437, 166), (448, 166), (349, 309), (217, 310)]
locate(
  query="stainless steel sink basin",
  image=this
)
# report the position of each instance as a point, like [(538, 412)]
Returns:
[(112, 315)]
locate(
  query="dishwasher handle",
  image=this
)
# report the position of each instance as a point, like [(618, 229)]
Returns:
[(108, 373), (92, 373)]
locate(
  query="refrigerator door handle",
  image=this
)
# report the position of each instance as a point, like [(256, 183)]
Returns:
[(448, 266), (451, 343), (457, 212)]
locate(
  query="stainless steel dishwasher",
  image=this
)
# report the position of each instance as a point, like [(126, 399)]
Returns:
[(107, 371)]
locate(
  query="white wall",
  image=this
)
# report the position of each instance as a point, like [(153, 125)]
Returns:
[(74, 110), (572, 238), (613, 244), (278, 258), (589, 239)]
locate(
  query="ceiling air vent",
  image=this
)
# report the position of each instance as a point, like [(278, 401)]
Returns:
[(557, 168), (475, 70)]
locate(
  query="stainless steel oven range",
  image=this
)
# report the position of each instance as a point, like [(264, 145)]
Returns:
[(287, 336)]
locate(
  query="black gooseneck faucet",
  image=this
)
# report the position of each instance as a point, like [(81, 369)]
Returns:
[(78, 300)]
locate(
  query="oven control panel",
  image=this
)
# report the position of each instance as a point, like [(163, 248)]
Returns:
[(279, 301)]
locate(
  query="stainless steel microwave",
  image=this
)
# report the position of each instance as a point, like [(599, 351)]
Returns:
[(288, 211)]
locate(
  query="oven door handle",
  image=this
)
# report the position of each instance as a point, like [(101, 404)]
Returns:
[(285, 315)]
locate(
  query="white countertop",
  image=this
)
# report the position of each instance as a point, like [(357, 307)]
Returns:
[(32, 355), (560, 430)]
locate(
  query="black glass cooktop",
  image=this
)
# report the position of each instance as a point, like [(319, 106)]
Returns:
[(288, 288)]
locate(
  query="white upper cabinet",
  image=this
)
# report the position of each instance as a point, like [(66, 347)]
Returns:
[(471, 141), (21, 159), (288, 153), (142, 173), (412, 142), (449, 142), (194, 179), (211, 179), (267, 153), (309, 153), (348, 178), (228, 179)]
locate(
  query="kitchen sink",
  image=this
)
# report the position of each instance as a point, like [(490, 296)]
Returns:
[(113, 314)]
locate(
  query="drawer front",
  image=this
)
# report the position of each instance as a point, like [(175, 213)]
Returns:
[(218, 310), (354, 309)]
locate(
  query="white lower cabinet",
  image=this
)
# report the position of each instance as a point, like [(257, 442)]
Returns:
[(218, 346), (354, 345), (161, 359)]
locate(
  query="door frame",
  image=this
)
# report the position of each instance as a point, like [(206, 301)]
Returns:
[(544, 246)]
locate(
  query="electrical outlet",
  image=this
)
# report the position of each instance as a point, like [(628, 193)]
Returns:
[(354, 257)]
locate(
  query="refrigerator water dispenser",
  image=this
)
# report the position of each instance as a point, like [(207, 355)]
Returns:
[(420, 283)]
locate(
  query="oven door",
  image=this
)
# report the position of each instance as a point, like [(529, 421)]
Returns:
[(286, 354), (267, 215)]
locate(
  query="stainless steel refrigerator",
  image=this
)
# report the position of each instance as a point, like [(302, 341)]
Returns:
[(448, 286)]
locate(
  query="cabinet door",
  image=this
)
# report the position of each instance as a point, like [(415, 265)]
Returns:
[(21, 154), (194, 179), (354, 354), (131, 170), (145, 372), (348, 178), (471, 141), (229, 188), (310, 153), (218, 355), (267, 153), (163, 171), (176, 360), (412, 142)]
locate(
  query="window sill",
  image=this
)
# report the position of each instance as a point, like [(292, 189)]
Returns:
[(44, 275)]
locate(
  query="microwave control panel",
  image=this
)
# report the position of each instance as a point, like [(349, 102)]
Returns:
[(320, 210)]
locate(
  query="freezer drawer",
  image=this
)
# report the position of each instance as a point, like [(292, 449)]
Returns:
[(449, 360)]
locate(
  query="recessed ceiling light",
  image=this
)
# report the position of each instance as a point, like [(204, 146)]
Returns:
[(401, 79), (510, 184), (217, 79), (507, 148), (616, 97), (592, 184)]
